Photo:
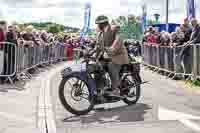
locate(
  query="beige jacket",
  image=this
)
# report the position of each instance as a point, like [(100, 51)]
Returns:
[(112, 40)]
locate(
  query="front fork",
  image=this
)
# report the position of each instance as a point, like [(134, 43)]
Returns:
[(138, 78)]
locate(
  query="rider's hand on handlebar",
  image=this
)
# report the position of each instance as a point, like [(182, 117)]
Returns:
[(109, 51), (85, 52)]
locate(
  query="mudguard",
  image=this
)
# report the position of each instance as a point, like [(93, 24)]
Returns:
[(65, 72), (83, 75)]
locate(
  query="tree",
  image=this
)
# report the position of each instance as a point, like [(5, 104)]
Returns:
[(151, 22), (131, 19), (130, 28), (50, 27), (62, 28), (53, 29), (121, 20), (92, 33)]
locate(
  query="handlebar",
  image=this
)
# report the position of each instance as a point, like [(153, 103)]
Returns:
[(88, 55)]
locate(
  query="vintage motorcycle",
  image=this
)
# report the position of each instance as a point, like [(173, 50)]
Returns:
[(79, 84)]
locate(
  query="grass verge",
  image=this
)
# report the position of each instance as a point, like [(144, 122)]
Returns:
[(195, 83)]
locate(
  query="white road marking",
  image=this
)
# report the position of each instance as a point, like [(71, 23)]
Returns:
[(191, 124), (41, 116), (51, 125), (165, 114), (45, 104)]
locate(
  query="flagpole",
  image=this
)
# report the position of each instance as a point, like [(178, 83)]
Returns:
[(167, 15), (144, 16), (191, 11)]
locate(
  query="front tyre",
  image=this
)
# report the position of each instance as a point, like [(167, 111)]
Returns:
[(73, 90)]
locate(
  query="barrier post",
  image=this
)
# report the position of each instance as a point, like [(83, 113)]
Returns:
[(195, 61), (198, 62), (158, 56), (166, 60)]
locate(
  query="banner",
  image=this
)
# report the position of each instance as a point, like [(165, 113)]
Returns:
[(144, 17), (191, 9), (87, 16)]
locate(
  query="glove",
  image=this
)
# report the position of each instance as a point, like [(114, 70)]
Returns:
[(105, 55), (109, 51), (85, 53)]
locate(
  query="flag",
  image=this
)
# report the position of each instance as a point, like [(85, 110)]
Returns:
[(87, 17), (190, 9), (144, 17)]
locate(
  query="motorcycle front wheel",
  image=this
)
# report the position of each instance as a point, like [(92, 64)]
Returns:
[(75, 95)]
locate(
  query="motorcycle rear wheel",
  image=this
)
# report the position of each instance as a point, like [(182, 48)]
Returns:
[(137, 92)]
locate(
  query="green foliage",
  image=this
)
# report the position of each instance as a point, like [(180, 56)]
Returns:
[(194, 82), (92, 34), (151, 22), (132, 19), (130, 28), (121, 20), (53, 29), (49, 26)]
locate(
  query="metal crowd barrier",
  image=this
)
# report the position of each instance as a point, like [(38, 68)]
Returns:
[(8, 60), (171, 61), (16, 60)]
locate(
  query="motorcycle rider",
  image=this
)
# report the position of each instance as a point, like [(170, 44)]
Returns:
[(109, 38)]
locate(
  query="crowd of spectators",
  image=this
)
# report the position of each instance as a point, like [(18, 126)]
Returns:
[(184, 34), (30, 37)]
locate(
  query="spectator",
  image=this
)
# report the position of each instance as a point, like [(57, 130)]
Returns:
[(69, 49), (44, 39), (158, 35), (173, 39), (76, 43), (151, 36), (37, 39), (28, 37), (17, 31), (178, 37), (165, 39), (195, 37), (20, 41), (185, 27), (3, 29), (11, 37), (66, 37)]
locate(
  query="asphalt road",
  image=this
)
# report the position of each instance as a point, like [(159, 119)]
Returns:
[(164, 107)]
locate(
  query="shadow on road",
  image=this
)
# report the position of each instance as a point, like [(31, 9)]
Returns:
[(18, 86), (117, 114)]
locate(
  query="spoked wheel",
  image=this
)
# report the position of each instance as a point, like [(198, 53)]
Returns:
[(75, 95), (132, 92)]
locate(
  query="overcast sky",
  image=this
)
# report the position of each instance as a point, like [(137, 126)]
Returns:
[(71, 12)]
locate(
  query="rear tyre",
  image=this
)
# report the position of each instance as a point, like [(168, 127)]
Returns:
[(134, 91), (64, 100)]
